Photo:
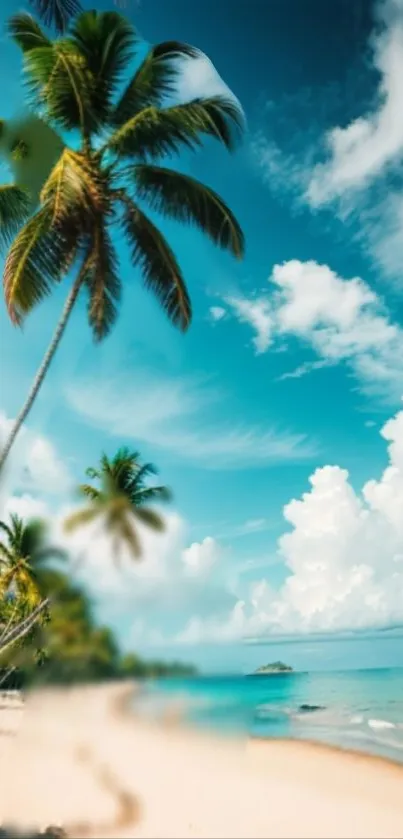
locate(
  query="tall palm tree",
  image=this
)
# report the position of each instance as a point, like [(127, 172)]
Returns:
[(121, 499), (75, 84)]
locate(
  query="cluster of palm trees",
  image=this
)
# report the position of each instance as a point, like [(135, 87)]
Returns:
[(105, 181)]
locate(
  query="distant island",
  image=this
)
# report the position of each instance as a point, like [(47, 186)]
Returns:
[(270, 669)]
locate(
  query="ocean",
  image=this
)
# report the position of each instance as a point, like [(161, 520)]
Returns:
[(355, 709)]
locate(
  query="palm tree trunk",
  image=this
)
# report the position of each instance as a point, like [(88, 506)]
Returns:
[(43, 369), (23, 627)]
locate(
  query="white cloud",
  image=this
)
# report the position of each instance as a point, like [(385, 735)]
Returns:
[(341, 320), (26, 506), (217, 313), (353, 169), (258, 314), (304, 369), (200, 557), (361, 151), (344, 554), (34, 464), (199, 77), (170, 414)]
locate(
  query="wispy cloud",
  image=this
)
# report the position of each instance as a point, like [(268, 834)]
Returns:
[(174, 415), (353, 169), (343, 321), (305, 368)]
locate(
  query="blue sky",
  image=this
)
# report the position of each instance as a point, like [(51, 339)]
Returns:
[(284, 371)]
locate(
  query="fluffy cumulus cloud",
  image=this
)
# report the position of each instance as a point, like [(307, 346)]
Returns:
[(341, 320), (344, 554), (343, 551)]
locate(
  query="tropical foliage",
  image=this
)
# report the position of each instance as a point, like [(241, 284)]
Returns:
[(70, 646), (106, 181), (23, 553), (56, 13), (121, 499)]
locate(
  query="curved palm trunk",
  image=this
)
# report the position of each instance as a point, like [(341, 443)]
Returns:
[(43, 369)]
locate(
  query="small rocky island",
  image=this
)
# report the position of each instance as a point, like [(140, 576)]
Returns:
[(272, 669)]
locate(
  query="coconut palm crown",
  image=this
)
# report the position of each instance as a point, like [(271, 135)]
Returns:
[(122, 128), (121, 500), (23, 554)]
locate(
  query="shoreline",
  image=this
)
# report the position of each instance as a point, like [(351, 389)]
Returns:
[(128, 776)]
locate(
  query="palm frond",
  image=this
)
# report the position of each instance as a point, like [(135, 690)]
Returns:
[(157, 132), (102, 281), (59, 84), (14, 211), (26, 32), (90, 492), (160, 271), (81, 518), (106, 40), (150, 518), (32, 537), (144, 472), (76, 196), (5, 553), (56, 13), (6, 529), (125, 534), (191, 202), (154, 80), (144, 495), (36, 260)]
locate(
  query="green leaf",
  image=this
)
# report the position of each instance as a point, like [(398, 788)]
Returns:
[(161, 273), (106, 40), (158, 132), (74, 192), (102, 281), (26, 32), (14, 211), (151, 519), (153, 493), (81, 518), (154, 80), (56, 13), (126, 535), (36, 260), (59, 83), (187, 200)]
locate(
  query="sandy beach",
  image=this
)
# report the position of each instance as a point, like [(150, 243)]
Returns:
[(77, 758)]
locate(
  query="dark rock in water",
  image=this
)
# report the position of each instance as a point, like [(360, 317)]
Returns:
[(305, 708)]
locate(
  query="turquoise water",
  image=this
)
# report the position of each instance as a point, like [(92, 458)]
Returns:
[(361, 709)]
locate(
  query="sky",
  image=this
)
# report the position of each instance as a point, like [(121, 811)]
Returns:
[(277, 419)]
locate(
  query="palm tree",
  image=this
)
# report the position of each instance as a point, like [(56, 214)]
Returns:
[(121, 500), (23, 556), (20, 556), (75, 84)]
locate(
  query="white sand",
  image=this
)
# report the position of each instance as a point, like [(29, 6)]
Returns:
[(79, 760)]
